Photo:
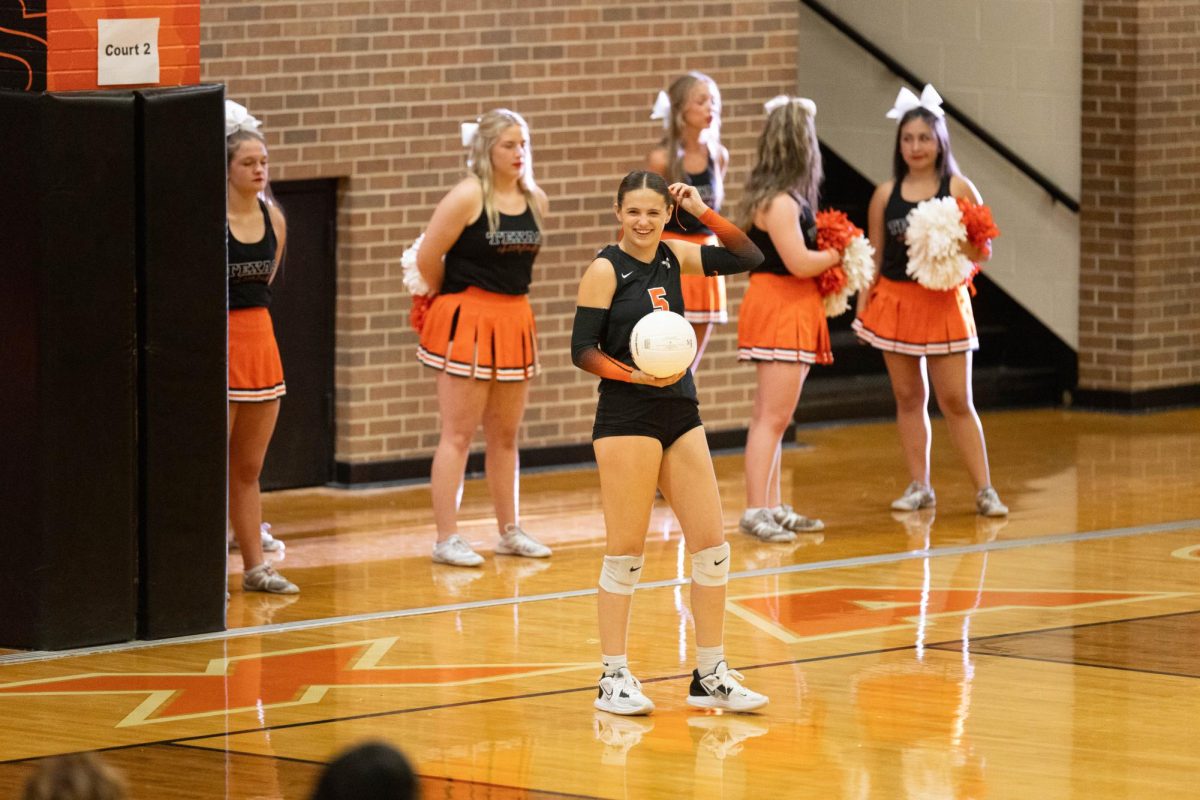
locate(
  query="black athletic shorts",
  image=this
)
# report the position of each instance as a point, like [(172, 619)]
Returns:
[(662, 418)]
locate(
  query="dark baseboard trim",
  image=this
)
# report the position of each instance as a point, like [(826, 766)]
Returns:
[(1149, 400), (417, 469)]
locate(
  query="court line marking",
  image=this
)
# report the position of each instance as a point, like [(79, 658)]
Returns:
[(183, 741), (815, 566)]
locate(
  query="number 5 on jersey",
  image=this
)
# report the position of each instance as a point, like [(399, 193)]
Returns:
[(658, 296)]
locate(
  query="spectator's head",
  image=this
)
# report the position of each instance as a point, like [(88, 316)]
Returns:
[(81, 776), (368, 771)]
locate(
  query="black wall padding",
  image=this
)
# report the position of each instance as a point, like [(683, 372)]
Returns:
[(182, 380), (67, 328)]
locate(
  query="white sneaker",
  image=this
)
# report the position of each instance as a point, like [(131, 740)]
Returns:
[(762, 525), (988, 504), (788, 519), (264, 578), (722, 689), (622, 694), (457, 552), (269, 543), (916, 496), (516, 542)]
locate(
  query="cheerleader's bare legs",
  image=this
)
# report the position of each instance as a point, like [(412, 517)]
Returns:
[(464, 404), (951, 376)]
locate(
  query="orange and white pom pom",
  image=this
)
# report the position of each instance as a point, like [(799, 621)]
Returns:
[(855, 272), (416, 285)]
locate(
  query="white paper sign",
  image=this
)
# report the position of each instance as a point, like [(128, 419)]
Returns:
[(127, 51)]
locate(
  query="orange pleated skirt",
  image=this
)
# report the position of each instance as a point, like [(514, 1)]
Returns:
[(905, 317), (255, 370), (782, 318), (480, 334), (703, 297)]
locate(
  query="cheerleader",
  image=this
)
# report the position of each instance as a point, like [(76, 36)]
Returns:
[(479, 333), (256, 234), (781, 325), (648, 433), (691, 152), (924, 334)]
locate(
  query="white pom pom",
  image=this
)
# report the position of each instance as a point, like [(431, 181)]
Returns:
[(413, 281), (836, 304), (934, 237)]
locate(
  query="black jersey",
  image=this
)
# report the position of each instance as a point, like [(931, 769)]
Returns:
[(895, 225), (249, 266), (772, 261), (641, 289), (705, 183), (499, 261)]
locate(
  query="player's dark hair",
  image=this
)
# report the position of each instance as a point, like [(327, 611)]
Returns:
[(641, 179)]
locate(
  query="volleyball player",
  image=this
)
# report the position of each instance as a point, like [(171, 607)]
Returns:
[(648, 433)]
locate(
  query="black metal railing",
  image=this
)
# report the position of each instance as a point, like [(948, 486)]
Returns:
[(974, 127)]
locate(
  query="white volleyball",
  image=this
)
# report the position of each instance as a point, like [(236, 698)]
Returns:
[(663, 344)]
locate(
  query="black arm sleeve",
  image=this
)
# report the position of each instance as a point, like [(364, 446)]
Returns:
[(585, 346), (739, 254)]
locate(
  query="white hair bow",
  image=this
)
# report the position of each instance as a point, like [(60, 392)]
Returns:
[(237, 118), (468, 131), (662, 109), (906, 101), (782, 100)]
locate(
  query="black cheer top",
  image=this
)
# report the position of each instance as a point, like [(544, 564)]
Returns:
[(895, 224), (683, 222), (499, 261), (772, 261), (250, 266)]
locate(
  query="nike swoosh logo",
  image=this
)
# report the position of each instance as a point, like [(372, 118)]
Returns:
[(625, 275), (722, 561), (634, 569)]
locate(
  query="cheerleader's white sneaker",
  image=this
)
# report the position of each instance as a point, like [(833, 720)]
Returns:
[(788, 519), (456, 552), (516, 542), (988, 504), (916, 496)]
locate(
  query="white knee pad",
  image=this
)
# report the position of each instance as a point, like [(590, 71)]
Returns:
[(710, 566), (621, 573)]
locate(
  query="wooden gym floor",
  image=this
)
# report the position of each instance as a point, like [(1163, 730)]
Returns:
[(923, 655)]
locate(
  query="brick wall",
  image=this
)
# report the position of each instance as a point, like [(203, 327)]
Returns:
[(71, 56), (373, 92), (1139, 314)]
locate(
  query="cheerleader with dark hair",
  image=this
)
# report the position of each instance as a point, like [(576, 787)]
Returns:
[(925, 335), (257, 234)]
